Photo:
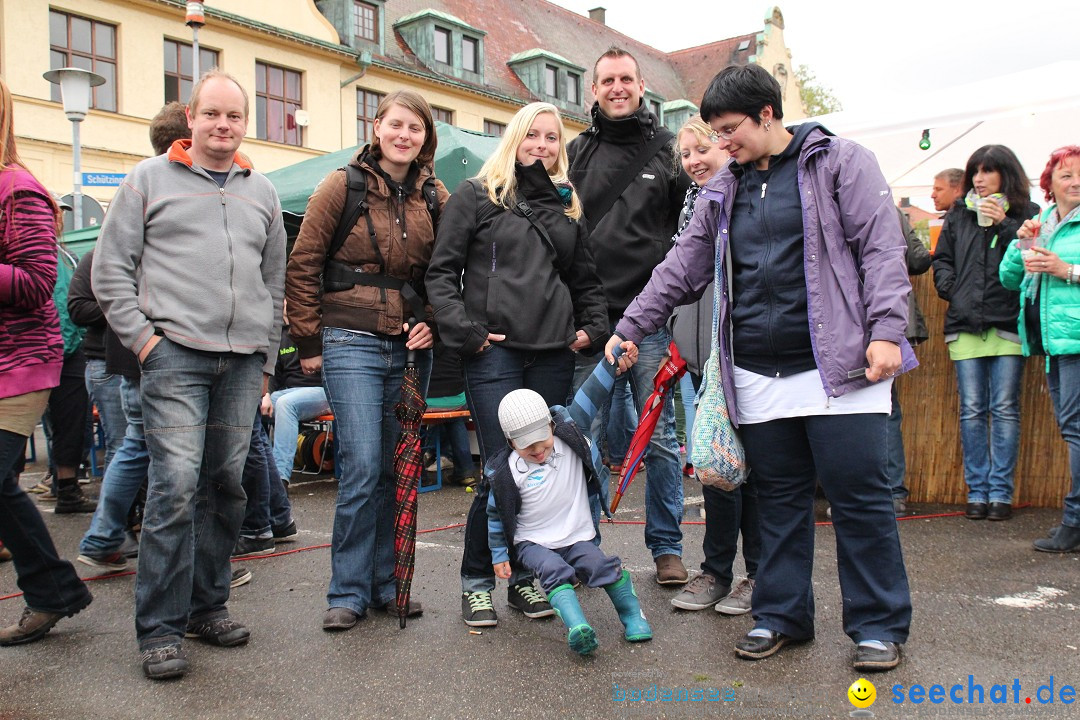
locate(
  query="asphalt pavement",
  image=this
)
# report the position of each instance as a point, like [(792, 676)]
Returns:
[(991, 618)]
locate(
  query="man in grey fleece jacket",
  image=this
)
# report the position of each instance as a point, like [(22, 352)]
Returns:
[(190, 273)]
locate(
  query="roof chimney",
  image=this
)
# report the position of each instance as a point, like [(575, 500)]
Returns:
[(599, 14)]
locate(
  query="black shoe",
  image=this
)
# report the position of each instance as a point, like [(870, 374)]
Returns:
[(752, 647), (413, 609), (477, 610), (1065, 539), (526, 598), (339, 618), (976, 511), (240, 576), (285, 534), (253, 547), (222, 632), (999, 511), (872, 659), (71, 500), (164, 662)]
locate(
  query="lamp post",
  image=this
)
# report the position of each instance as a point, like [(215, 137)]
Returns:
[(195, 19), (75, 84)]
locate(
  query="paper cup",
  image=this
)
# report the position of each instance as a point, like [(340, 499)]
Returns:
[(984, 220)]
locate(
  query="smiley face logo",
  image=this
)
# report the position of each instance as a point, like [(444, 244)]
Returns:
[(862, 693)]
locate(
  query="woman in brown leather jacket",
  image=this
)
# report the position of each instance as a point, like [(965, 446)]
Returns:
[(359, 336)]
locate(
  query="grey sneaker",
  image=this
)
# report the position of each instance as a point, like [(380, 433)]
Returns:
[(164, 662), (240, 576), (700, 593), (222, 632), (112, 562), (737, 601)]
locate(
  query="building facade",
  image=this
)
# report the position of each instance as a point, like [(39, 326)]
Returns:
[(316, 69)]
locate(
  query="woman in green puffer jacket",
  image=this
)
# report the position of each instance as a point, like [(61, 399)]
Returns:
[(1044, 264)]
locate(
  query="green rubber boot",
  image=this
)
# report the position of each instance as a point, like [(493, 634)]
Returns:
[(580, 635), (626, 603)]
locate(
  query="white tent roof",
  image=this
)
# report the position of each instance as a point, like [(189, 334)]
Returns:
[(1032, 112)]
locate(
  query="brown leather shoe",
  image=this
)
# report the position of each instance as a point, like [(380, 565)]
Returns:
[(31, 626), (339, 618), (413, 609), (670, 570)]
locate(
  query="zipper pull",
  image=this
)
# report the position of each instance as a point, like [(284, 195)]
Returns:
[(763, 186), (222, 191)]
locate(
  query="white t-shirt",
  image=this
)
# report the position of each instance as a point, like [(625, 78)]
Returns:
[(554, 502), (762, 398)]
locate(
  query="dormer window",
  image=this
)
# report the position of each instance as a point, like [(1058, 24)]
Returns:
[(550, 77), (442, 46), (470, 54), (655, 104), (365, 22), (445, 44)]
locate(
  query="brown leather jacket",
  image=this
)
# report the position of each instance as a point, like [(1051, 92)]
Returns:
[(405, 238)]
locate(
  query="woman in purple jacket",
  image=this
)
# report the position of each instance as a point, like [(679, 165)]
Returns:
[(812, 323), (31, 353)]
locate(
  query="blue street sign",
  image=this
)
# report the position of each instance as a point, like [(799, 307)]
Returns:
[(101, 179)]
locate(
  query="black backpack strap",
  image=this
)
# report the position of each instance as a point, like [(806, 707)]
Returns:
[(431, 199), (622, 181), (521, 207)]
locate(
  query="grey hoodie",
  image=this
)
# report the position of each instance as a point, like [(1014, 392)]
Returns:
[(201, 264)]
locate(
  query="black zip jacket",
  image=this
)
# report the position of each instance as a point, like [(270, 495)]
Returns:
[(287, 370), (492, 272), (635, 235), (966, 262), (83, 309)]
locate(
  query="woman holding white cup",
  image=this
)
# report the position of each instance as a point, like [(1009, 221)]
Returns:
[(980, 323)]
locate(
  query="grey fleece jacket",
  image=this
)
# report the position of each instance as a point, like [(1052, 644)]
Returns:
[(203, 265)]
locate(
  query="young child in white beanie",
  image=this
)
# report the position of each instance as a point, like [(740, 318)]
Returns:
[(539, 510)]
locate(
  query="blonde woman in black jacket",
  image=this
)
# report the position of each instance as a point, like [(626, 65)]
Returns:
[(515, 292)]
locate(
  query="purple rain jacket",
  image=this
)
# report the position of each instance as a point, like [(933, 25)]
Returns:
[(853, 258)]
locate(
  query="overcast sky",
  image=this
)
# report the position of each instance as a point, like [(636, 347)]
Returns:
[(868, 52)]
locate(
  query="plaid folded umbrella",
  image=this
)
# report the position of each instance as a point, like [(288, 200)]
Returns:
[(408, 467), (665, 379)]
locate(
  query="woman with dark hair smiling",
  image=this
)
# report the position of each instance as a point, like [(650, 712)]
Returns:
[(802, 236), (980, 323)]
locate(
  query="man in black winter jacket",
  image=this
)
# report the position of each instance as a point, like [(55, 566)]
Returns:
[(623, 169)]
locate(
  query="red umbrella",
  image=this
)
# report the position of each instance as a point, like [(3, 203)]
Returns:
[(408, 466), (666, 376)]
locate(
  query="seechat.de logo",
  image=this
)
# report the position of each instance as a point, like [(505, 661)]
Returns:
[(862, 695)]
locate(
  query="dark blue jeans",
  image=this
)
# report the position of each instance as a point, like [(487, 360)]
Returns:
[(268, 505), (489, 376), (197, 410), (560, 566), (49, 584), (1063, 379), (726, 515), (896, 465), (846, 454)]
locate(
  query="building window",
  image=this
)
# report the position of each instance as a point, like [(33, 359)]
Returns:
[(654, 106), (367, 103), (442, 46), (442, 115), (178, 69), (470, 54), (573, 88), (365, 21), (88, 44), (277, 98), (551, 80), (494, 128)]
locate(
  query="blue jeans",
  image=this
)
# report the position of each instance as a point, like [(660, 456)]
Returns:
[(990, 395), (895, 464), (362, 375), (291, 406), (49, 583), (197, 410), (104, 389), (663, 486), (489, 376), (268, 507), (846, 454), (1063, 380), (123, 479), (620, 424)]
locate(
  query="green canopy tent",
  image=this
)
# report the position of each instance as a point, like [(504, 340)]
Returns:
[(459, 156)]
